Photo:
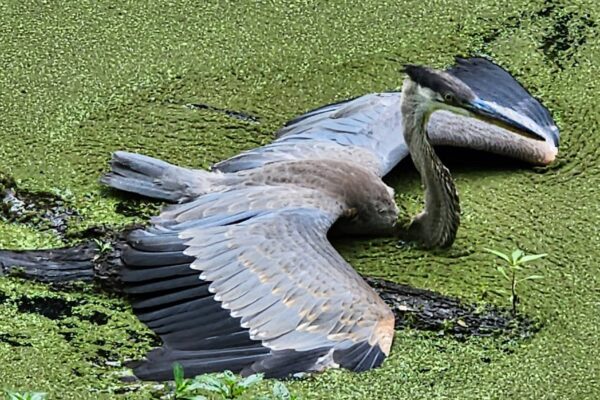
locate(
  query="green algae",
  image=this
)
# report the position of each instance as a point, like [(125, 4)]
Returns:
[(83, 79)]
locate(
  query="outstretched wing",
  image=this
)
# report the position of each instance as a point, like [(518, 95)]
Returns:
[(228, 284), (368, 130), (365, 130), (505, 94)]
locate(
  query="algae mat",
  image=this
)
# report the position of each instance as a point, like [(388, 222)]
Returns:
[(81, 79)]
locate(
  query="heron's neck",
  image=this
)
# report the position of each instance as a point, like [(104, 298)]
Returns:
[(437, 224)]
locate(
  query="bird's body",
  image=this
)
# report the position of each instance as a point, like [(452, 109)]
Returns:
[(240, 275), (246, 271)]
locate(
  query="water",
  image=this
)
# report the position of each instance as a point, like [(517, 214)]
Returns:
[(82, 80)]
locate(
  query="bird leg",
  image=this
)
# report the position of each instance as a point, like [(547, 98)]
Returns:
[(414, 233)]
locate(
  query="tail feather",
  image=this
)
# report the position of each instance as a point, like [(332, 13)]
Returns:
[(157, 179), (52, 266)]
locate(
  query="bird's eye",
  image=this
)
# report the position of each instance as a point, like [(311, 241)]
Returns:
[(449, 97), (381, 210)]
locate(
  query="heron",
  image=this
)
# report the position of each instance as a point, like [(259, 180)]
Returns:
[(239, 273), (258, 286)]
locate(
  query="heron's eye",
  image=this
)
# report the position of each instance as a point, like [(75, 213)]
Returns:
[(449, 97)]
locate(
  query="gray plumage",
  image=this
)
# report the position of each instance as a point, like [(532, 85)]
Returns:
[(261, 253)]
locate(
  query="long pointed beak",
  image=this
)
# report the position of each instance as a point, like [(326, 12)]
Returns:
[(486, 112)]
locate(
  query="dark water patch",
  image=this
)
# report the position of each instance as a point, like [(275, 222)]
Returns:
[(105, 354), (429, 311), (49, 307), (40, 210), (459, 161), (242, 116), (144, 337), (138, 207), (15, 340), (546, 10), (568, 32), (103, 233), (463, 159), (132, 204), (96, 318), (68, 335)]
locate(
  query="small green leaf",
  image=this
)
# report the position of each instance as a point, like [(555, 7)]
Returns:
[(251, 380), (531, 257), (210, 385), (281, 392), (503, 272), (516, 256), (533, 278), (499, 254), (180, 382), (229, 375), (25, 396)]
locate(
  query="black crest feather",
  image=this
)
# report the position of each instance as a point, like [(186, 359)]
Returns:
[(428, 77)]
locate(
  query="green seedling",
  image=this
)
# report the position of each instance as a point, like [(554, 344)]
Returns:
[(24, 396), (224, 385), (103, 247), (515, 263)]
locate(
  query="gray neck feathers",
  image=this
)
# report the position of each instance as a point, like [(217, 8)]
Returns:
[(437, 224)]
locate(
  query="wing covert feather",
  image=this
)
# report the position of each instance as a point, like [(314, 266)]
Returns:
[(265, 288), (293, 287), (366, 130)]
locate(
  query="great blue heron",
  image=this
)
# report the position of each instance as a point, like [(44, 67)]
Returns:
[(273, 295)]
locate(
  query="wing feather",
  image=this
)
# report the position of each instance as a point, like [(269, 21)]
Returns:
[(265, 277), (365, 130), (314, 285)]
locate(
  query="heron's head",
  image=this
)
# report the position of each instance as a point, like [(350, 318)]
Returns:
[(480, 105), (438, 90)]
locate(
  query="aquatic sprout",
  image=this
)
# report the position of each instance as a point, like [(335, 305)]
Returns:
[(24, 396), (224, 385), (515, 263), (103, 247)]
